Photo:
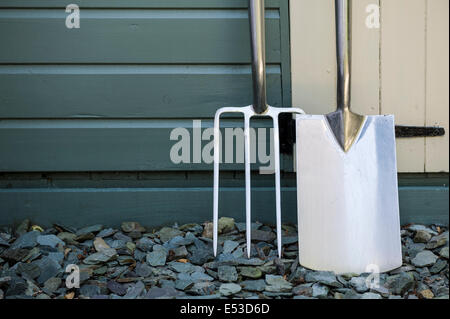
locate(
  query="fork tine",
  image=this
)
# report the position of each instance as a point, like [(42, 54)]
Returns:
[(276, 138), (216, 179), (247, 182)]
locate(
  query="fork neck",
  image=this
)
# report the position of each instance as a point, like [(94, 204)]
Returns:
[(343, 53), (257, 31)]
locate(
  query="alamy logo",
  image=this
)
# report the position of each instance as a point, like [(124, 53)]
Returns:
[(73, 279), (73, 19), (373, 280), (198, 147), (373, 19)]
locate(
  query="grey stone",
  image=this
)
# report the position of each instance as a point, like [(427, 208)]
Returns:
[(302, 297), (402, 269), (229, 289), (139, 255), (68, 238), (416, 228), (324, 277), (351, 294), (400, 284), (277, 284), (200, 277), (304, 290), (52, 284), (84, 237), (90, 229), (288, 240), (4, 280), (101, 257), (438, 266), (183, 284), (242, 226), (250, 262), (383, 291), (101, 270), (371, 295), (135, 290), (58, 257), (229, 246), (17, 286), (180, 252), (254, 285), (320, 291), (225, 225), (89, 290), (129, 227), (116, 288), (167, 233), (49, 268), (143, 270), (27, 240), (422, 236), (444, 252), (250, 272), (49, 240), (157, 258), (414, 249), (201, 256), (261, 235), (118, 244), (29, 270), (187, 240), (163, 293), (202, 289), (349, 276), (277, 295), (106, 233), (194, 228), (182, 267), (438, 241), (32, 255), (3, 242), (227, 273), (122, 237), (424, 258), (359, 284)]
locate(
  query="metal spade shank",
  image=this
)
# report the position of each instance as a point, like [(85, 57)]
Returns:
[(348, 211)]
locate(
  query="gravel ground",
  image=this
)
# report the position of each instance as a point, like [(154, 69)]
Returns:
[(177, 262)]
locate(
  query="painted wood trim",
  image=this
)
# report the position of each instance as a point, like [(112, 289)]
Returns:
[(139, 4), (165, 206), (437, 86), (130, 91), (87, 145), (134, 36), (403, 65)]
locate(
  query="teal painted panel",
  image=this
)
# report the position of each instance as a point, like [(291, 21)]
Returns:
[(135, 3), (99, 145), (128, 91), (134, 36), (132, 59), (160, 206), (423, 202)]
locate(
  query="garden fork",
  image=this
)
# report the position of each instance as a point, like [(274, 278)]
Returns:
[(259, 108)]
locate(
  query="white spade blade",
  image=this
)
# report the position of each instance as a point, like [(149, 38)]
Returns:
[(348, 210)]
